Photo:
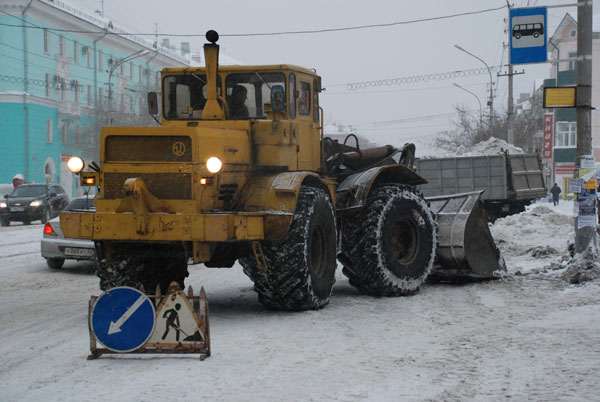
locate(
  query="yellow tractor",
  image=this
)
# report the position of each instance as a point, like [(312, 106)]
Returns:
[(239, 170)]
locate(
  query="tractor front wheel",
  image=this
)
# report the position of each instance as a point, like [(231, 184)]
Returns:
[(300, 270), (388, 247)]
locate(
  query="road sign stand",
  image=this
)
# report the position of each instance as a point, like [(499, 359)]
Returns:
[(195, 308)]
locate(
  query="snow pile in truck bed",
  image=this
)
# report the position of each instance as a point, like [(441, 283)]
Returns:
[(490, 146)]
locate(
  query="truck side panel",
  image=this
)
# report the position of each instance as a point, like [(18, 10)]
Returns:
[(465, 174)]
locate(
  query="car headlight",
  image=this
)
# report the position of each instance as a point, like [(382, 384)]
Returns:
[(2, 205), (214, 164), (76, 164), (35, 203)]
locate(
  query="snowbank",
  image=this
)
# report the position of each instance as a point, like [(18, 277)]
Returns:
[(490, 146), (537, 242)]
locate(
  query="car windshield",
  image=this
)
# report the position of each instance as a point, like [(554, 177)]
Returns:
[(29, 191), (81, 204)]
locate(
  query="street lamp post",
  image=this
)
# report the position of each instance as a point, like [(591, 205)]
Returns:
[(491, 101), (476, 97), (118, 63)]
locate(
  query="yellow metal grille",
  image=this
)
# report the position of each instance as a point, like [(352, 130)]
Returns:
[(148, 148), (166, 186)]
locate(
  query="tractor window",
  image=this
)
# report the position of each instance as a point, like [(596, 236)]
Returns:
[(316, 102), (304, 99), (185, 96), (248, 93), (292, 94)]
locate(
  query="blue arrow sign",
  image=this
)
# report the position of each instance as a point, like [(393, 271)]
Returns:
[(123, 319), (528, 35)]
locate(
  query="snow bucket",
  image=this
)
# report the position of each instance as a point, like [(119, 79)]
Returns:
[(466, 249)]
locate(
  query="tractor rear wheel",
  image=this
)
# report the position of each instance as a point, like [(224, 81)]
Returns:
[(133, 265), (301, 268), (388, 247)]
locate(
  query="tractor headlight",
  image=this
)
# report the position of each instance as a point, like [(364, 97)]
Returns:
[(214, 164), (2, 204), (76, 164), (35, 203)]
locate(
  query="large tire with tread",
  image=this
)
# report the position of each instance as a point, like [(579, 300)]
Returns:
[(134, 265), (300, 268), (388, 247), (55, 263), (5, 221)]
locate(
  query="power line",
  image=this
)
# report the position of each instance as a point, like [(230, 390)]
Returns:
[(315, 31), (353, 86)]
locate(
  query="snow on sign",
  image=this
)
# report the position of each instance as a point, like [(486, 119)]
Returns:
[(122, 319), (528, 35)]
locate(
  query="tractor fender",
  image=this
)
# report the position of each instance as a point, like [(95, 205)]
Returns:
[(276, 195), (354, 190)]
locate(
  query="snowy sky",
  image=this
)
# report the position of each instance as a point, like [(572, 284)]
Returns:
[(358, 55)]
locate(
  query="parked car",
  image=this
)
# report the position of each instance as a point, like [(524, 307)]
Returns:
[(56, 248), (32, 202)]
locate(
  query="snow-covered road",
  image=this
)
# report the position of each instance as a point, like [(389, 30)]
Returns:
[(528, 337)]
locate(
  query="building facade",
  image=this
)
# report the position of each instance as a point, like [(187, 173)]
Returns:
[(563, 47), (63, 75)]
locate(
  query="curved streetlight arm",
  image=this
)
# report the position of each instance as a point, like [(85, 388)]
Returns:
[(491, 102), (125, 59), (476, 97)]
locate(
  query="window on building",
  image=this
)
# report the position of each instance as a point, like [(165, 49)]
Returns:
[(47, 85), (88, 53), (100, 64), (76, 88), (131, 109), (122, 68), (46, 41), (49, 131), (566, 134), (61, 45), (89, 95), (100, 98), (78, 135), (572, 63), (131, 71), (76, 51), (141, 73), (64, 134)]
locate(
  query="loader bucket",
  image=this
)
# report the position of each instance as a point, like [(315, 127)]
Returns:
[(466, 249)]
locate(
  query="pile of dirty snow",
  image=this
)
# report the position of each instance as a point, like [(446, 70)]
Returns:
[(537, 242), (540, 230), (490, 146)]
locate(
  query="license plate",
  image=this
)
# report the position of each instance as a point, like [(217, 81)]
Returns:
[(17, 209), (80, 252)]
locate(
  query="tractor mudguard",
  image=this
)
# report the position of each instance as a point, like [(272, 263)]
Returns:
[(279, 193), (354, 190)]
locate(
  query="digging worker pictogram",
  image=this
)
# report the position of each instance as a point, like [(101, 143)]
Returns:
[(172, 316)]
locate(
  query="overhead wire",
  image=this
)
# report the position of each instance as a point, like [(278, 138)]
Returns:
[(299, 32)]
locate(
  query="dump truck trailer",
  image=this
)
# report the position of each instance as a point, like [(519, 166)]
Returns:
[(508, 182), (239, 170)]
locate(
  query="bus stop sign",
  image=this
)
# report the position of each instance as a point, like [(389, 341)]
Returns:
[(528, 35)]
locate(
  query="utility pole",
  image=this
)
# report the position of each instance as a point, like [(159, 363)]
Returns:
[(585, 236)]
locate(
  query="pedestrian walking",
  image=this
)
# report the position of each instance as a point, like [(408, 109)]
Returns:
[(555, 191)]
